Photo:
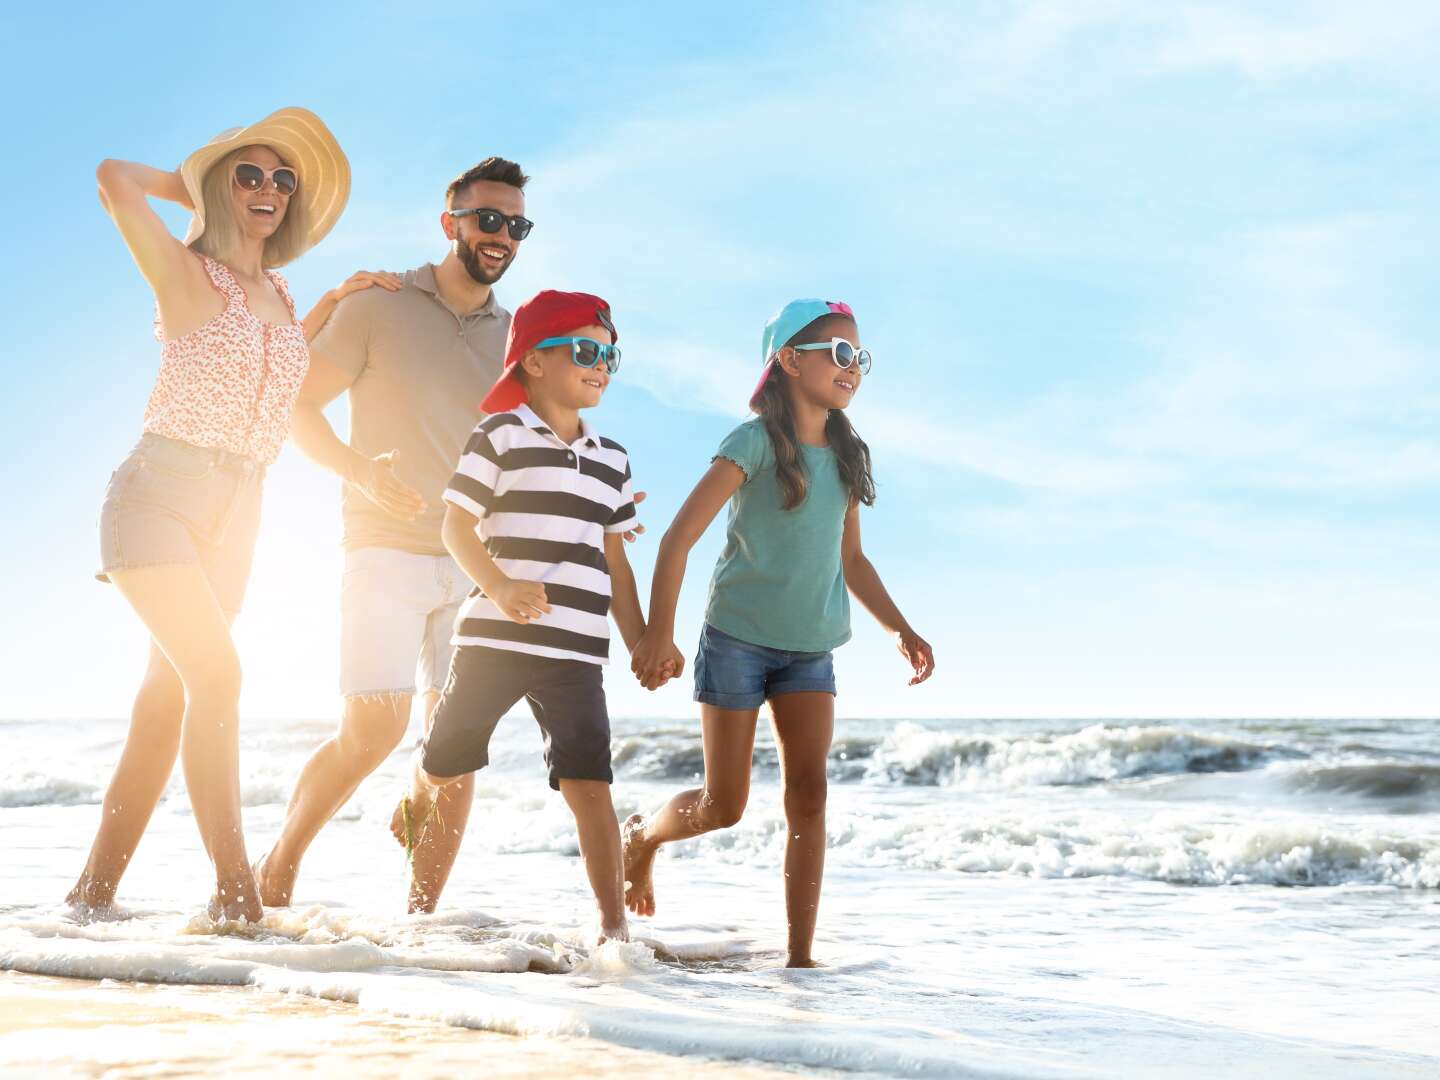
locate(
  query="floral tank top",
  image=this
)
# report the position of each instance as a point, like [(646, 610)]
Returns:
[(231, 384)]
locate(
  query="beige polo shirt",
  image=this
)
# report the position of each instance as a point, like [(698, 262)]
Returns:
[(420, 370)]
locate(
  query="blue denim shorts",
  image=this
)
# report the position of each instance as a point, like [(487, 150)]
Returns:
[(734, 674)]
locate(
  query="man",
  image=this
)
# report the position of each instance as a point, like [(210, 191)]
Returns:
[(416, 356)]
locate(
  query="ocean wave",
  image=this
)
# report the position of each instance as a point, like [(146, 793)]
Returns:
[(1410, 785), (912, 754), (34, 789)]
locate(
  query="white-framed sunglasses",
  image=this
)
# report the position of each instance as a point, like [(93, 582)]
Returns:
[(842, 352)]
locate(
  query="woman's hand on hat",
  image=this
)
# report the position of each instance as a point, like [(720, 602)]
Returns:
[(364, 279), (631, 535), (376, 480), (521, 601)]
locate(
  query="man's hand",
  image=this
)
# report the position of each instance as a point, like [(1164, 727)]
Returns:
[(917, 653), (631, 535), (376, 480), (521, 601), (655, 661)]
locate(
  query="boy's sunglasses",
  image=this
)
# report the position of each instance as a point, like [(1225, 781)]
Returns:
[(842, 352), (587, 352), (490, 221), (251, 177)]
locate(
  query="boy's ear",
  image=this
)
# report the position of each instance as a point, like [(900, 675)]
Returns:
[(531, 365)]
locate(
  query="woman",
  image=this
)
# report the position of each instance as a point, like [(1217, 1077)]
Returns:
[(177, 529)]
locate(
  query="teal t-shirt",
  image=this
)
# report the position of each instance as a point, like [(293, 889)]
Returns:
[(779, 581)]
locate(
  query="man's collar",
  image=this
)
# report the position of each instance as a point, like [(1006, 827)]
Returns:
[(425, 282), (530, 419)]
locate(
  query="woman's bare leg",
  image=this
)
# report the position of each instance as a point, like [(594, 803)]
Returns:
[(729, 740), (179, 609), (804, 725), (151, 746)]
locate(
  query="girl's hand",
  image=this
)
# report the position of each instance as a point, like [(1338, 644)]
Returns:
[(917, 653), (363, 279), (655, 661), (521, 601)]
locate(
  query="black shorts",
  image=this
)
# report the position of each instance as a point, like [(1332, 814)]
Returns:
[(566, 696)]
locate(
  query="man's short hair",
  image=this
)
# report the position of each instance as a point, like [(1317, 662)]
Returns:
[(492, 168)]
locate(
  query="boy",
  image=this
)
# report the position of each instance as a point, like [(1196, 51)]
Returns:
[(534, 516)]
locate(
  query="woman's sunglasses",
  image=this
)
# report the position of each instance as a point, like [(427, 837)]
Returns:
[(251, 177), (587, 352), (490, 221), (842, 352)]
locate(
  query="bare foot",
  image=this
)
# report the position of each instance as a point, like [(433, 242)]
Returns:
[(618, 932), (410, 818), (274, 888), (639, 861), (90, 895), (236, 900), (805, 962)]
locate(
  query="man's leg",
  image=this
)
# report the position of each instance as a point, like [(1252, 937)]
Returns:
[(385, 597), (371, 729)]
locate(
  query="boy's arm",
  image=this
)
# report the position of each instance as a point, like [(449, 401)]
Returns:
[(863, 581), (521, 601), (624, 597)]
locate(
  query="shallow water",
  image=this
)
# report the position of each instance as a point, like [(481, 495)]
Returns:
[(1002, 898)]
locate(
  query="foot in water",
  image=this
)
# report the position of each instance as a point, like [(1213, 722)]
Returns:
[(275, 887), (639, 861), (236, 901), (620, 932), (90, 896)]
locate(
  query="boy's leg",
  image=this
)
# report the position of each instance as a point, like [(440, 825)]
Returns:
[(729, 741), (804, 724), (599, 834)]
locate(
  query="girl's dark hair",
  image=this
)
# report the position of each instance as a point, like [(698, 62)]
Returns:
[(851, 453)]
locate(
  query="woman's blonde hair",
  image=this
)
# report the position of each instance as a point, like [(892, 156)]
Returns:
[(222, 232)]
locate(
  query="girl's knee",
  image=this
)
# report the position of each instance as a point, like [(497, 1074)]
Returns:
[(805, 798), (721, 811)]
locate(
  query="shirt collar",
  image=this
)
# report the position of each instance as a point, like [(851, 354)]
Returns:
[(424, 279), (588, 435)]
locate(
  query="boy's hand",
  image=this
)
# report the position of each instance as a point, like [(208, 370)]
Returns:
[(521, 601), (656, 661), (917, 653)]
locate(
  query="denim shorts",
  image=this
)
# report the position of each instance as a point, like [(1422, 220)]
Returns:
[(734, 674), (397, 607), (171, 503)]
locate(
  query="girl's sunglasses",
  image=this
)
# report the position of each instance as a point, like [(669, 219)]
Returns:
[(587, 352), (251, 177), (490, 221), (842, 352)]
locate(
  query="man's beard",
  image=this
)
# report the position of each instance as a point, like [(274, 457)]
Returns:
[(471, 261)]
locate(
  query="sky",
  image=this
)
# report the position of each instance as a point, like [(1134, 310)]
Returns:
[(1150, 290)]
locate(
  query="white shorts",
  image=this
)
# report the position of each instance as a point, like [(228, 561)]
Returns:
[(397, 614)]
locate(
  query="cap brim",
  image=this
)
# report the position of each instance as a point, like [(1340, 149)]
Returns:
[(764, 374), (506, 394)]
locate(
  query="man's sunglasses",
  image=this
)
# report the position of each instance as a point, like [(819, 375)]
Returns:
[(251, 177), (842, 352), (490, 221), (587, 352)]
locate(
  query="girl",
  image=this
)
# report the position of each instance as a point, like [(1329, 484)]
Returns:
[(178, 525), (795, 479)]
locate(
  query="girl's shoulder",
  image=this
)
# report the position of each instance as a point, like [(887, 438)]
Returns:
[(749, 447)]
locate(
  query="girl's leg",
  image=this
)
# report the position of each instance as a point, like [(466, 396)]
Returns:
[(146, 763), (729, 739), (179, 609), (804, 724)]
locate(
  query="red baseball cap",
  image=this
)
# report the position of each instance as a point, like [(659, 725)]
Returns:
[(546, 314)]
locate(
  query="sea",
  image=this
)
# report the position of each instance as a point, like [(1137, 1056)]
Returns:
[(1046, 898)]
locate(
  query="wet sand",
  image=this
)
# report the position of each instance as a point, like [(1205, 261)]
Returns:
[(78, 1028)]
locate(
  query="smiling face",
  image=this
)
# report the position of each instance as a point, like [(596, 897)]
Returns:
[(813, 372), (485, 256), (258, 213), (552, 376)]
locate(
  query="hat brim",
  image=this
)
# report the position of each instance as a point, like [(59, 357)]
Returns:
[(306, 145), (507, 393), (764, 374)]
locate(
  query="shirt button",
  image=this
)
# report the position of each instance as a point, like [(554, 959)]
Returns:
[(569, 456)]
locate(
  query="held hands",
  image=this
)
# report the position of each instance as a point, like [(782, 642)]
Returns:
[(917, 653), (363, 279), (376, 480), (521, 601), (655, 660)]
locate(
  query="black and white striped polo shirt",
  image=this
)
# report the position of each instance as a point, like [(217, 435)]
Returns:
[(544, 509)]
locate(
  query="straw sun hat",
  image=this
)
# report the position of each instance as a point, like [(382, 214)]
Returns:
[(307, 146)]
